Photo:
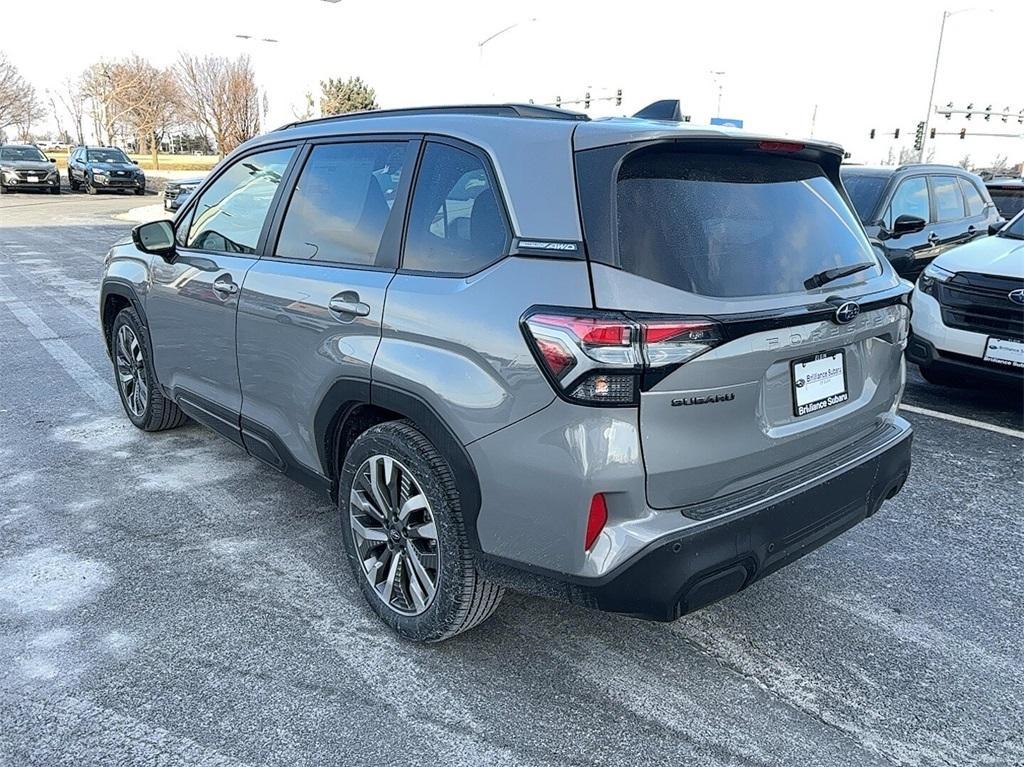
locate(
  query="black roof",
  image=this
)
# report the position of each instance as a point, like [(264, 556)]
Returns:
[(534, 111)]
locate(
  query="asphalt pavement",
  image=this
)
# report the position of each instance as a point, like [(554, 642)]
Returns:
[(165, 599)]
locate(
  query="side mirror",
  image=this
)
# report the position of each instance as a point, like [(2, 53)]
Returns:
[(53, 159), (907, 224), (156, 237), (135, 162), (994, 228)]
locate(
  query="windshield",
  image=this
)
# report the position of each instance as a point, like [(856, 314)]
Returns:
[(1009, 200), (734, 225), (1014, 229), (106, 155), (864, 192), (21, 153)]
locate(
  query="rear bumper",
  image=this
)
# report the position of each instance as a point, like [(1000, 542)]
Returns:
[(700, 565), (924, 353)]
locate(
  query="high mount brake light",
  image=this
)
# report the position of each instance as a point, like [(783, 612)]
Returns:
[(780, 146), (598, 358)]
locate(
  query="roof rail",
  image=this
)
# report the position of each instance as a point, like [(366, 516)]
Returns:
[(493, 110)]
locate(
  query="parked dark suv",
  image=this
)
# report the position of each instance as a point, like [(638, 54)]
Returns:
[(916, 212), (24, 166), (1007, 194), (635, 364), (103, 167)]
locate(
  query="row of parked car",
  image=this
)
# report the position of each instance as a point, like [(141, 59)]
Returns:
[(961, 239), (96, 168)]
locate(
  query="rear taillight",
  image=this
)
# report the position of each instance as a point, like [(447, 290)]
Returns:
[(599, 358)]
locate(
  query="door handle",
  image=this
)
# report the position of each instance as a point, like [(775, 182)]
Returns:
[(348, 303), (972, 230), (933, 238), (225, 287)]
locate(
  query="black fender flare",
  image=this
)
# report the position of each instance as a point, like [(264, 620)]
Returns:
[(347, 394), (124, 289)]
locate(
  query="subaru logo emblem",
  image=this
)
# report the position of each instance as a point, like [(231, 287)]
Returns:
[(1017, 296), (847, 313)]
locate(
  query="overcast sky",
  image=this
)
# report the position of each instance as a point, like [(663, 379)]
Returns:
[(864, 64)]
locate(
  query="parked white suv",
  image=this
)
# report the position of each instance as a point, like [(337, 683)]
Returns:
[(968, 319)]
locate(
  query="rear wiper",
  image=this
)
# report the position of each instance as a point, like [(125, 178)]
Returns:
[(828, 275)]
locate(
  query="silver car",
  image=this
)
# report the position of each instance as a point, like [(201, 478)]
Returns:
[(630, 363)]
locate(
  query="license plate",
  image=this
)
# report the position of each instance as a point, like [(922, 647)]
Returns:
[(33, 179), (819, 382), (1005, 352)]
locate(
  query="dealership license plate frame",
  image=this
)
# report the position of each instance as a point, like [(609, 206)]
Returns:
[(804, 361), (1002, 362)]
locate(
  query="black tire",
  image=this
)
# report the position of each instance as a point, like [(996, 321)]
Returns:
[(55, 190), (940, 377), (462, 599), (72, 183), (4, 189), (89, 188), (140, 192), (160, 413)]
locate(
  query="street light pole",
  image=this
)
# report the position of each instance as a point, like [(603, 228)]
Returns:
[(935, 73), (931, 93), (499, 33)]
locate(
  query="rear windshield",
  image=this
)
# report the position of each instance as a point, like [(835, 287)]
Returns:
[(1009, 202), (734, 225), (865, 192)]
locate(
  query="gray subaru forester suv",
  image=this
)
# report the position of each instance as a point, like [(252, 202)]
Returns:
[(629, 363)]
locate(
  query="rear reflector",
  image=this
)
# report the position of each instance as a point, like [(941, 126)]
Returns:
[(596, 521)]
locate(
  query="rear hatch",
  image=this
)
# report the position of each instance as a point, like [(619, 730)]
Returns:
[(801, 327)]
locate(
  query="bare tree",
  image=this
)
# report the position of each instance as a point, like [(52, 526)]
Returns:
[(1000, 165), (32, 110), (17, 97), (965, 162), (308, 108), (115, 89), (151, 108), (220, 95), (73, 100)]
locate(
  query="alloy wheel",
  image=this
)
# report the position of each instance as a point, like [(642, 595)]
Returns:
[(395, 535), (131, 371)]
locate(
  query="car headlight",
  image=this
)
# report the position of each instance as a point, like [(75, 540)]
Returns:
[(98, 172), (930, 277)]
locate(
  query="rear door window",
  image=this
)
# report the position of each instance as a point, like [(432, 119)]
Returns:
[(949, 203), (342, 203), (733, 224), (456, 225), (1009, 201), (865, 192), (973, 198)]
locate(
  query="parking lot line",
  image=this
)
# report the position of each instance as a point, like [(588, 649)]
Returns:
[(964, 421)]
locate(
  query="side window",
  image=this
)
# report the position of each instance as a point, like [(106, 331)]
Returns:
[(229, 216), (910, 199), (455, 223), (342, 202), (975, 202), (949, 203)]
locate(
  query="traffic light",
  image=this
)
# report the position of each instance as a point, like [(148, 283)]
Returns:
[(988, 113), (1020, 117), (872, 133), (586, 100), (919, 137), (969, 112), (931, 134), (558, 101), (963, 133), (618, 97), (896, 133), (949, 111), (1006, 113)]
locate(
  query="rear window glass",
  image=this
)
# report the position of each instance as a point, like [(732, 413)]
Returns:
[(949, 203), (733, 225), (1009, 202), (865, 192), (975, 203)]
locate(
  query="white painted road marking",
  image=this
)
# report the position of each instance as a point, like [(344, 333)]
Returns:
[(963, 421)]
